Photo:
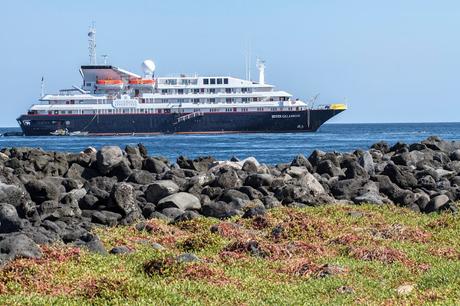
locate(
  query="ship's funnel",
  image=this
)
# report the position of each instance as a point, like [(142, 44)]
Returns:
[(261, 67)]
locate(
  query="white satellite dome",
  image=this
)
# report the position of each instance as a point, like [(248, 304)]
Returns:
[(148, 66)]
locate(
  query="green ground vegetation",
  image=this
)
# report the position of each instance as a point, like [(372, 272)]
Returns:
[(320, 255)]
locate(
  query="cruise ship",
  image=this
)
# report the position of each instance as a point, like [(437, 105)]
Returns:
[(114, 101)]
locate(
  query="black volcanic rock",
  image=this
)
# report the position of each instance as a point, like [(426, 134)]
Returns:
[(48, 197)]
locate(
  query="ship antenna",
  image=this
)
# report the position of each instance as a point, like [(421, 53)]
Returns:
[(105, 56), (43, 86), (92, 44)]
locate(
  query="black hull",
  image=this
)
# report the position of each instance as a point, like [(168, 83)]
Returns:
[(119, 124)]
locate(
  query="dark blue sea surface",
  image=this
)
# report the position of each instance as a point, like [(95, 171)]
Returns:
[(270, 148)]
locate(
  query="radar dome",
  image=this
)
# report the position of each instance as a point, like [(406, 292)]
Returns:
[(148, 66)]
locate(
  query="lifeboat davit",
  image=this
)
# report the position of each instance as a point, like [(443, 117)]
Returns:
[(109, 84), (141, 83)]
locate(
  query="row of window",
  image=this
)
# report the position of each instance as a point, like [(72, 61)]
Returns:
[(182, 91), (162, 111), (180, 81), (214, 81), (194, 100)]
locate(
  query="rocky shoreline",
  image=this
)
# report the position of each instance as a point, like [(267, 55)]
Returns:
[(48, 197)]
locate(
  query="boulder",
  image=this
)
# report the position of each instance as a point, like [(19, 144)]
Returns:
[(187, 216), (254, 212), (400, 176), (354, 170), (181, 200), (455, 155), (11, 194), (118, 250), (346, 189), (105, 217), (232, 195), (123, 198), (437, 203), (108, 157), (201, 164), (155, 165), (142, 177), (366, 161), (301, 161), (228, 179), (159, 190), (170, 213), (328, 167), (253, 193), (309, 182), (381, 146), (17, 245), (41, 190), (258, 180), (221, 210), (9, 219), (250, 166)]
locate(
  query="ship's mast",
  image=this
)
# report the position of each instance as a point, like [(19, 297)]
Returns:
[(92, 44)]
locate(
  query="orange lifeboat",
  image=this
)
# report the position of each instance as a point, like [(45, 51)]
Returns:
[(109, 84), (141, 82)]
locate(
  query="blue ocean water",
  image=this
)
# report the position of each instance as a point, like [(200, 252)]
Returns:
[(268, 148)]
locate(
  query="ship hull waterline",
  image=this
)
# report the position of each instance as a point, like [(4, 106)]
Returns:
[(175, 123)]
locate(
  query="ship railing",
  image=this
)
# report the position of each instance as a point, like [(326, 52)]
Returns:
[(189, 116)]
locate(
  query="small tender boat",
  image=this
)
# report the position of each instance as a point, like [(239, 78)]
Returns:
[(60, 132), (78, 133)]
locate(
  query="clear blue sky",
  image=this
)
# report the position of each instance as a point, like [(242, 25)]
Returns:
[(393, 61)]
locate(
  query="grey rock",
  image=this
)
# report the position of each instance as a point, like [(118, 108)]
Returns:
[(122, 249), (250, 166), (187, 216), (311, 183), (158, 247), (187, 258), (399, 176), (181, 200), (258, 180), (455, 155), (160, 189), (228, 179), (11, 194), (302, 161), (155, 165), (96, 246), (41, 190), (328, 167), (105, 217), (370, 198), (170, 213), (9, 219), (108, 157), (255, 211), (366, 161), (437, 203), (232, 194), (221, 210), (124, 199), (17, 245)]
